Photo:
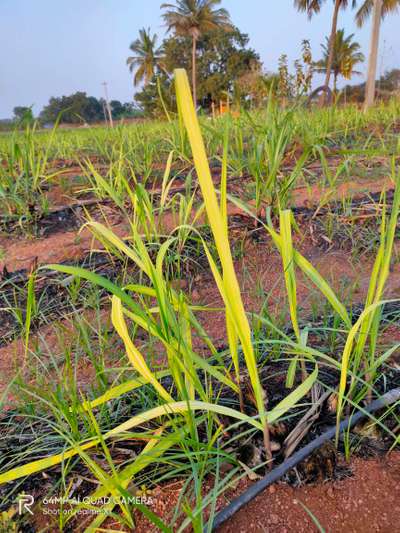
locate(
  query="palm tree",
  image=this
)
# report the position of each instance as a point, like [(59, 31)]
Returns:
[(364, 12), (346, 55), (379, 8), (313, 7), (193, 18), (148, 59)]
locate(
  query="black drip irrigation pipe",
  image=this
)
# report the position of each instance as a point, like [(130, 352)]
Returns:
[(50, 223), (10, 221), (274, 475), (22, 274)]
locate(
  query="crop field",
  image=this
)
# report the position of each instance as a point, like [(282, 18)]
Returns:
[(189, 304)]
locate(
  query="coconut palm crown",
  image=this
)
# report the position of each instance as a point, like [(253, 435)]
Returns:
[(148, 58), (364, 12), (193, 18), (346, 55)]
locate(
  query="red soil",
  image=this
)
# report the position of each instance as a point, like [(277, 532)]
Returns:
[(56, 248), (311, 196), (19, 253), (260, 274), (366, 502)]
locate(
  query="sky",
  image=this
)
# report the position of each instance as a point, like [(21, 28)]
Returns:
[(57, 47)]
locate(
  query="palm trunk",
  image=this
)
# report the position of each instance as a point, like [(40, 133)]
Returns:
[(373, 55), (331, 47), (335, 76), (194, 49)]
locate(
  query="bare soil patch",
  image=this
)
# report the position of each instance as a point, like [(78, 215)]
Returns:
[(368, 501)]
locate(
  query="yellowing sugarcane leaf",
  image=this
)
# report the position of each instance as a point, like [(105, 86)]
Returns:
[(135, 357)]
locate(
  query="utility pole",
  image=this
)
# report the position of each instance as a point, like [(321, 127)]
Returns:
[(373, 55), (108, 104), (104, 111)]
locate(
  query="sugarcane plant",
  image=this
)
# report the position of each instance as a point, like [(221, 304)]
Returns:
[(168, 317)]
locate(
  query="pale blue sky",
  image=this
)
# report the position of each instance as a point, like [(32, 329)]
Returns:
[(55, 47)]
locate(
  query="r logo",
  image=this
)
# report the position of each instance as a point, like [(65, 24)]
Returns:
[(25, 502)]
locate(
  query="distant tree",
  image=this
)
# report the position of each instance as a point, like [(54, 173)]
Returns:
[(79, 107), (23, 115), (366, 8), (194, 18), (75, 108), (388, 84), (379, 9), (92, 109), (290, 85), (51, 111), (147, 60), (312, 7), (254, 86), (300, 83), (346, 55), (120, 110), (304, 69), (117, 109), (390, 81), (148, 99), (224, 57), (285, 83), (131, 111), (7, 124)]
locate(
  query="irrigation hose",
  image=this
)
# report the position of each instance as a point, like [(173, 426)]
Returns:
[(274, 475)]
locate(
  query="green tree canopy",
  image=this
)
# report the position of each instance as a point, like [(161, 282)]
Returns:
[(78, 108), (23, 115), (223, 58)]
